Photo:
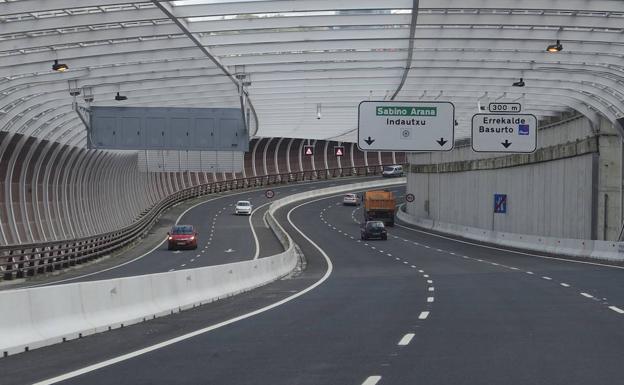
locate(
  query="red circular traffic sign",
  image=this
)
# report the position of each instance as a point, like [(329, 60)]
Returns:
[(410, 198), (269, 194)]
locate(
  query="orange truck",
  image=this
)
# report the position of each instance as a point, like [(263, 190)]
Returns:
[(379, 205)]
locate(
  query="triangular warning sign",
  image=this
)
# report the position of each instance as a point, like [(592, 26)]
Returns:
[(308, 151), (339, 151)]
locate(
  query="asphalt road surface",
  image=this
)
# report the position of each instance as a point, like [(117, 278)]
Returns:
[(415, 309)]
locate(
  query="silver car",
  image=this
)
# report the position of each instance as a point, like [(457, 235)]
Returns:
[(243, 207)]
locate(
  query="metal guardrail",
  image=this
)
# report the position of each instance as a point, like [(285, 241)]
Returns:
[(18, 261)]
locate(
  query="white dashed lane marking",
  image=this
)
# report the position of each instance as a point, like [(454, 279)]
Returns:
[(547, 278), (430, 299), (372, 380), (431, 288), (423, 315), (616, 309), (406, 339), (564, 284), (587, 295)]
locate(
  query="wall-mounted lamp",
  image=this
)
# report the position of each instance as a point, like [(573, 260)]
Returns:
[(60, 67), (555, 47), (519, 83)]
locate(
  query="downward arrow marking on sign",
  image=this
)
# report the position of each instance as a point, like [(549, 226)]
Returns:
[(442, 142), (506, 143), (369, 141)]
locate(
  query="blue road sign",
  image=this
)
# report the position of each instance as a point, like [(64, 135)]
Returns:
[(500, 203), (523, 129)]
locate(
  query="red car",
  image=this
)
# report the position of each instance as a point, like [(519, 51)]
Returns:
[(182, 237)]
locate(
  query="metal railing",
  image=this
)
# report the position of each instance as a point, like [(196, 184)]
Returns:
[(18, 261)]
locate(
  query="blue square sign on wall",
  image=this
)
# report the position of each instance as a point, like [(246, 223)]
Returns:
[(500, 203)]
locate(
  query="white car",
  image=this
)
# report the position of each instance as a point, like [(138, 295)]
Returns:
[(391, 171), (243, 207), (351, 200)]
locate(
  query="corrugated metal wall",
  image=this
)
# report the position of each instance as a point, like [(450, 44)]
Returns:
[(50, 191)]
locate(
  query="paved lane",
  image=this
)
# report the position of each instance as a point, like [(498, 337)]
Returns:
[(414, 309), (224, 237)]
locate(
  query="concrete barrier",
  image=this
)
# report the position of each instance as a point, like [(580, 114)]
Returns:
[(601, 250), (36, 317)]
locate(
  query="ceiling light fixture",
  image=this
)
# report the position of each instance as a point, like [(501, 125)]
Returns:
[(120, 97), (60, 67), (555, 47), (519, 83)]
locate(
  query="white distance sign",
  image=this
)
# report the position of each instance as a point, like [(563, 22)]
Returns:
[(406, 126), (504, 133)]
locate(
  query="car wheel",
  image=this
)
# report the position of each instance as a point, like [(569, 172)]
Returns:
[(384, 237)]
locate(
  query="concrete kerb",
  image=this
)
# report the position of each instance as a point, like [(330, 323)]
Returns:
[(42, 316), (575, 248)]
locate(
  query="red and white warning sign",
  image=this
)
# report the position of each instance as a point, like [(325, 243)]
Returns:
[(339, 150), (308, 150)]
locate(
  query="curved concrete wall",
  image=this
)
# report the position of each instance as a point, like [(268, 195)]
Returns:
[(50, 191)]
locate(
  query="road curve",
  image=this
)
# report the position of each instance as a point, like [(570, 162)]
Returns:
[(417, 308)]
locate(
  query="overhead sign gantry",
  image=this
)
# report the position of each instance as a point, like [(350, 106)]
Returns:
[(406, 126)]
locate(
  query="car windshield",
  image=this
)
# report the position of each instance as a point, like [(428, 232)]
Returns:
[(180, 230), (350, 196), (389, 168), (375, 225), (243, 203)]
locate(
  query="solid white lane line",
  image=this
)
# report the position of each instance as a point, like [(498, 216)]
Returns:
[(406, 339), (564, 284), (587, 295), (430, 299), (616, 309), (112, 361), (253, 231), (509, 250), (547, 278), (372, 380), (423, 315)]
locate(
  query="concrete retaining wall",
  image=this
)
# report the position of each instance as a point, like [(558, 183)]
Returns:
[(600, 250), (48, 315), (571, 187)]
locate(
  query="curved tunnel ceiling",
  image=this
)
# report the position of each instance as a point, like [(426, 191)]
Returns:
[(305, 55)]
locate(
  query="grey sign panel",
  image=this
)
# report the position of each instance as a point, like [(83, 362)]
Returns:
[(406, 126), (155, 128), (513, 133)]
